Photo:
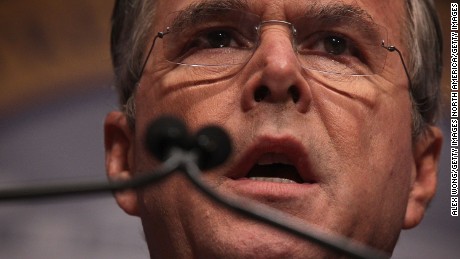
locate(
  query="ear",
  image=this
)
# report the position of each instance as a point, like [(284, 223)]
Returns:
[(426, 154), (119, 145)]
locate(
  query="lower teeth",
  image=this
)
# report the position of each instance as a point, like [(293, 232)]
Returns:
[(271, 179)]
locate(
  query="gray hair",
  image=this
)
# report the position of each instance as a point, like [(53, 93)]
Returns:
[(425, 62), (132, 22), (131, 25)]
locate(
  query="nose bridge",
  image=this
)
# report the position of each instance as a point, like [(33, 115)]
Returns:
[(276, 28), (276, 43), (279, 22), (276, 71)]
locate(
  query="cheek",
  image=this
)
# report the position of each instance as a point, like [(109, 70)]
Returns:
[(362, 133), (345, 117), (196, 102), (371, 116), (392, 145)]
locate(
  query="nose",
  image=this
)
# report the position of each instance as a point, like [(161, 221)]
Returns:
[(276, 75)]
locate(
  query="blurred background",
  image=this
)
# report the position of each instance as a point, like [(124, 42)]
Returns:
[(55, 90)]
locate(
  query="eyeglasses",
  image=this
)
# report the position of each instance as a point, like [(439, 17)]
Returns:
[(220, 37)]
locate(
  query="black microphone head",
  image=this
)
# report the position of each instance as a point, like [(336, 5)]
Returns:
[(214, 147), (166, 133)]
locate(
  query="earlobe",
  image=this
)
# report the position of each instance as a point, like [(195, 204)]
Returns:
[(119, 158), (426, 154)]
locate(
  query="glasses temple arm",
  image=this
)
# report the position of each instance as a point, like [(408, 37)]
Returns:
[(159, 35), (392, 49)]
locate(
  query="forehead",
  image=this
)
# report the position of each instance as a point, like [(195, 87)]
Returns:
[(389, 14)]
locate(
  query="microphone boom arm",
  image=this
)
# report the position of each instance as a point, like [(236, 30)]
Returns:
[(186, 162), (69, 189)]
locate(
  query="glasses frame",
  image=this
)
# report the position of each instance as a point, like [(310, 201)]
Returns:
[(389, 48)]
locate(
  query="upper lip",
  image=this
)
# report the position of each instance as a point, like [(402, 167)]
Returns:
[(282, 146)]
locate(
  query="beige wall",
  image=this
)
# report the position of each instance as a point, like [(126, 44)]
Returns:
[(48, 46)]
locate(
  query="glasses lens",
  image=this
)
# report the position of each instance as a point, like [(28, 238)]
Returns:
[(340, 45), (337, 45), (211, 37)]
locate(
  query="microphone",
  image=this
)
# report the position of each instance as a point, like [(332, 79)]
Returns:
[(166, 134), (211, 145)]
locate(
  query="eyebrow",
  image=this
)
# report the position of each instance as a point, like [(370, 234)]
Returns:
[(323, 11), (339, 12), (327, 13), (196, 11)]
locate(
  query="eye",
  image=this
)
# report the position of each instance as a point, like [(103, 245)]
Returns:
[(335, 45), (329, 44), (219, 39), (215, 38)]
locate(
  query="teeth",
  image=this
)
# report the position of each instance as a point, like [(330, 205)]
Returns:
[(272, 179), (273, 158)]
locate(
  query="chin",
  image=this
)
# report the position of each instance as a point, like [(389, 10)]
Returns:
[(239, 237)]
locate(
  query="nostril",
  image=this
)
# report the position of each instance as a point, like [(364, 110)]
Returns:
[(261, 93), (294, 92)]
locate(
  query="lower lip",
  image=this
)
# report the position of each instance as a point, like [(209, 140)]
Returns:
[(270, 190)]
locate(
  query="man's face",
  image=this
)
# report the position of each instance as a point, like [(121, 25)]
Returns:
[(344, 144)]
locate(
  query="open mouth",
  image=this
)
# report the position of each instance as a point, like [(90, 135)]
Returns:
[(276, 168), (276, 172), (274, 159)]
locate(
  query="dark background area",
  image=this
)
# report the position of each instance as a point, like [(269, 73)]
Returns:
[(55, 90)]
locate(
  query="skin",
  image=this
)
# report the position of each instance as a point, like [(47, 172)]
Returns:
[(371, 179)]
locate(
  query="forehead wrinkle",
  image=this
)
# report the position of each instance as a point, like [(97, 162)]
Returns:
[(331, 13), (323, 11), (195, 11)]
